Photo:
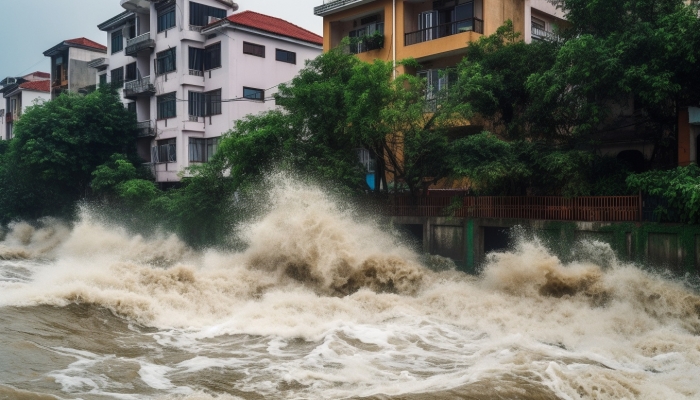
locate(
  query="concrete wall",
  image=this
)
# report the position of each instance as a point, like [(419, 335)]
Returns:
[(79, 74)]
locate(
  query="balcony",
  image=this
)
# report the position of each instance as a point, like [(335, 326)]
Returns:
[(139, 87), (145, 129), (331, 6), (541, 34), (371, 39), (136, 5), (99, 63), (139, 44), (444, 30)]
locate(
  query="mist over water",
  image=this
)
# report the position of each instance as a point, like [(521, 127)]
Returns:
[(319, 305)]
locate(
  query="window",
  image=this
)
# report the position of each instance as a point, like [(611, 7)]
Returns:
[(253, 94), (103, 79), (286, 56), (195, 104), (117, 41), (166, 18), (165, 151), (254, 49), (196, 61), (200, 13), (212, 101), (166, 106), (130, 72), (204, 104), (202, 150), (131, 107), (165, 61), (212, 56), (117, 77)]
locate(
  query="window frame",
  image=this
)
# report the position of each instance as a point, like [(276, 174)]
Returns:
[(166, 148), (113, 38), (254, 46), (204, 11), (118, 71), (161, 14), (210, 50), (211, 105), (287, 53), (163, 114), (160, 61), (261, 91), (201, 150)]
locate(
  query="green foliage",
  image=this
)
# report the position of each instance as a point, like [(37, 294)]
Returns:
[(680, 187), (48, 165)]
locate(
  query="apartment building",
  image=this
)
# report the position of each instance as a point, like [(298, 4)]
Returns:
[(190, 69), (69, 64), (18, 93)]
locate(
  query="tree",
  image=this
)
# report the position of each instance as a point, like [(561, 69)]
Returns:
[(57, 145)]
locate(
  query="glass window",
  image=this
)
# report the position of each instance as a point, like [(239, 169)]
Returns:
[(131, 107), (130, 72), (254, 94), (212, 56), (165, 61), (165, 151), (166, 18), (103, 79), (202, 150), (212, 101), (166, 106), (117, 77), (196, 61), (117, 41), (286, 56), (254, 49), (200, 13), (195, 104)]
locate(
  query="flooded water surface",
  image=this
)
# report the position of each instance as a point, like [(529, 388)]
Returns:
[(320, 306)]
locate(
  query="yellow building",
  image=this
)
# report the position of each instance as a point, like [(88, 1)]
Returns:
[(435, 33)]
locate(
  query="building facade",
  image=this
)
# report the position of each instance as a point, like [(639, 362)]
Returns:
[(190, 69), (18, 93), (69, 64)]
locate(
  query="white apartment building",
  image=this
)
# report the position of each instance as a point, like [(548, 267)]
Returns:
[(190, 69), (18, 93)]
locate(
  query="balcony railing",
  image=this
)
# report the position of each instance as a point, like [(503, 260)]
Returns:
[(99, 63), (196, 72), (196, 28), (139, 87), (138, 44), (368, 42), (332, 5), (145, 129), (541, 34), (443, 30)]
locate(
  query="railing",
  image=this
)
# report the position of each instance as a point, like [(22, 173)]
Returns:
[(196, 28), (193, 118), (541, 34), (368, 42), (443, 30), (609, 208), (330, 5), (139, 86), (141, 42), (196, 72), (145, 129)]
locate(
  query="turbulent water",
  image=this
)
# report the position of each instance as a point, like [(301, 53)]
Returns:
[(321, 306)]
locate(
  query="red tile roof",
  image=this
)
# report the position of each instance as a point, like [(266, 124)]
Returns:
[(274, 25), (40, 74), (86, 43), (39, 86)]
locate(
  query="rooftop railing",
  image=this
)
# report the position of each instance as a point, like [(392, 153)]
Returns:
[(444, 30)]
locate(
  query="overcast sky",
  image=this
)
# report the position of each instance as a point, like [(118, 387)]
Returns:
[(30, 27)]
